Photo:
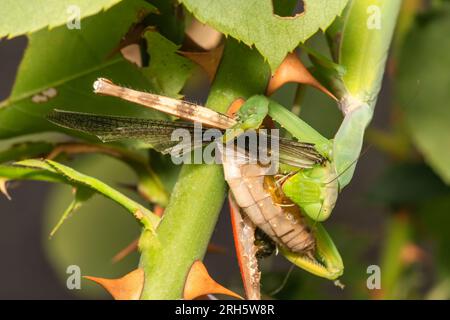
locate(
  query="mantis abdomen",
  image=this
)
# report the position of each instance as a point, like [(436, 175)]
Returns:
[(255, 192)]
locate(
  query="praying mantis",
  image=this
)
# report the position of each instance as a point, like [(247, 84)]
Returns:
[(306, 182)]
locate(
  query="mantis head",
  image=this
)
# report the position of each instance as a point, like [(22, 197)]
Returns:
[(314, 190)]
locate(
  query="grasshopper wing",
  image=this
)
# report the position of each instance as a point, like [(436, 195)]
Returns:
[(156, 134), (298, 154)]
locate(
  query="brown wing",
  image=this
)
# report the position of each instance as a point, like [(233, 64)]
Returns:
[(157, 134)]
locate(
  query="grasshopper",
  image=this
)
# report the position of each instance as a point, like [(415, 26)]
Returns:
[(287, 205)]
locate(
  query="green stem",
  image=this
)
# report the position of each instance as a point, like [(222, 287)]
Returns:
[(366, 36), (190, 218), (52, 171), (149, 185), (398, 235), (298, 100)]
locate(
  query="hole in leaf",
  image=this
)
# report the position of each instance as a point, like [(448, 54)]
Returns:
[(288, 8)]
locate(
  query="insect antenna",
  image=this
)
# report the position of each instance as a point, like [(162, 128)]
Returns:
[(366, 149), (284, 282), (318, 215), (280, 178)]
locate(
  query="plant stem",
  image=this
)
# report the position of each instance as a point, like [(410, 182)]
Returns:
[(398, 235), (52, 171), (190, 218), (298, 99), (366, 36)]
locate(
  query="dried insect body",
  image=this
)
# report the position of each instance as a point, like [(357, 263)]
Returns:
[(254, 189)]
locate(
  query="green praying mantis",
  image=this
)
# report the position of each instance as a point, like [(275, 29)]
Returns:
[(309, 184)]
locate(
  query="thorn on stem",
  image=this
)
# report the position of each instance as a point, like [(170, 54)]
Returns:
[(202, 36), (129, 287), (411, 253), (199, 283), (208, 61), (235, 106), (293, 70), (4, 188), (158, 210)]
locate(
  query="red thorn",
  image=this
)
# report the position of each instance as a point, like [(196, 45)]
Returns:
[(199, 283), (4, 188), (293, 70), (209, 61), (235, 106), (129, 287)]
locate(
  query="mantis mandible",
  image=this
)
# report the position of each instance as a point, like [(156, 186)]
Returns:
[(309, 181)]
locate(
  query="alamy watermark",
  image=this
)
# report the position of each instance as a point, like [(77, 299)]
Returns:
[(212, 146), (374, 279), (374, 19), (73, 281), (73, 17)]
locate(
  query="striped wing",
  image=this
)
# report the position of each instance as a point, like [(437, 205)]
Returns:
[(298, 154), (157, 134), (154, 133)]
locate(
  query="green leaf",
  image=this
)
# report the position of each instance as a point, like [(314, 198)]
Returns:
[(254, 23), (423, 93), (25, 16), (59, 67), (82, 194), (149, 184), (167, 72), (51, 171)]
